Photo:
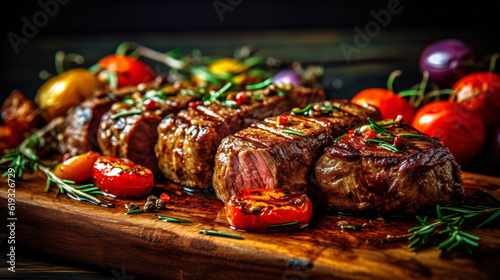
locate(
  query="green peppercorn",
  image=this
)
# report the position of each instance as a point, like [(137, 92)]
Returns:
[(152, 198), (148, 207), (160, 204), (132, 206)]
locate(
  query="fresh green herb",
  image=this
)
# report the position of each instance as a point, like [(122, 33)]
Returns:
[(383, 144), (282, 93), (136, 211), (321, 137), (289, 131), (218, 233), (453, 226), (112, 79), (305, 109), (229, 103), (330, 107), (338, 138), (350, 227), (24, 159), (172, 220), (260, 85), (387, 123), (127, 113), (284, 224), (410, 135), (377, 127), (211, 78), (221, 91)]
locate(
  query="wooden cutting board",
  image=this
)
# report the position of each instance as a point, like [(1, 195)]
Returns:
[(142, 245)]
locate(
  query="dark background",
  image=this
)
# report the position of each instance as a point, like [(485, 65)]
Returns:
[(284, 29)]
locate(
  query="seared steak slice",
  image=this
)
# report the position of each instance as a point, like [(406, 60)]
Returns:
[(188, 142), (79, 131), (372, 178), (79, 134), (129, 129), (265, 156)]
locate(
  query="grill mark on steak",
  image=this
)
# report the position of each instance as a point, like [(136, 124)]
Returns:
[(290, 156), (355, 176), (188, 142)]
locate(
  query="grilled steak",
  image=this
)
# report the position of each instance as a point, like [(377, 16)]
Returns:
[(188, 142), (265, 156), (129, 129), (79, 131), (355, 175)]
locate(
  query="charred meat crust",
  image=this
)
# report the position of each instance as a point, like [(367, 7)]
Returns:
[(361, 177), (265, 156), (188, 142), (134, 136)]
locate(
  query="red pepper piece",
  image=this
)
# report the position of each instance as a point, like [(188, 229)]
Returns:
[(370, 134)]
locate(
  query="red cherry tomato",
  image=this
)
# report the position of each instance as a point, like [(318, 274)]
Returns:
[(462, 131), (130, 71), (281, 120), (389, 103), (165, 197), (9, 138), (149, 104), (241, 98), (122, 177), (487, 103), (268, 210)]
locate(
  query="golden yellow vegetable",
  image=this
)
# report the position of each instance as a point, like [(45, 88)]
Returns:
[(77, 168), (226, 65), (68, 89)]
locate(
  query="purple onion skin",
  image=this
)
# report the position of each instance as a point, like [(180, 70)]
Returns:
[(446, 61), (287, 77)]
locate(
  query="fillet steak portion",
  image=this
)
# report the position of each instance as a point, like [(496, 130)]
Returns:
[(409, 173), (79, 131), (129, 128), (267, 155), (187, 142)]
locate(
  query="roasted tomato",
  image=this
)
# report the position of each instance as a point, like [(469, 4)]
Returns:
[(78, 168), (462, 131), (480, 92), (389, 103), (9, 138), (129, 71), (21, 113), (66, 90), (268, 210), (122, 177)]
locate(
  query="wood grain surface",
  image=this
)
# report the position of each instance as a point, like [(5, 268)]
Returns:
[(142, 245)]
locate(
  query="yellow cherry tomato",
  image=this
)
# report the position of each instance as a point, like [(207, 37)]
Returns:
[(68, 89), (226, 65), (77, 168)]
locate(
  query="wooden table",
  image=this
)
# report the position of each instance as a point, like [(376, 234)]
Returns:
[(49, 225)]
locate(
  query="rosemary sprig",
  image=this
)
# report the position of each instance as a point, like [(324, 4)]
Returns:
[(24, 159), (260, 85), (289, 131), (173, 220), (218, 233), (305, 109), (383, 144), (284, 224), (453, 226)]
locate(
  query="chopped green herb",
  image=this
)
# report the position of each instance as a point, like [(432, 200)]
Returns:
[(218, 233), (330, 107), (388, 123), (127, 113), (302, 111), (137, 211), (377, 127), (219, 93), (260, 85), (289, 131), (351, 227), (284, 224), (229, 103), (383, 144), (173, 220), (282, 93), (338, 138), (410, 135), (321, 137)]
